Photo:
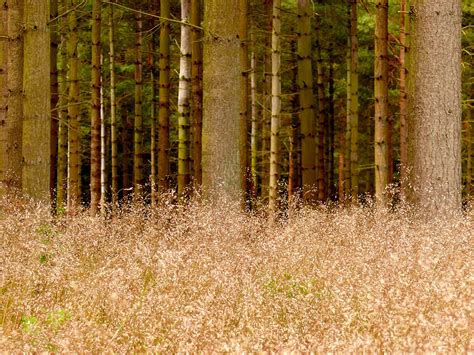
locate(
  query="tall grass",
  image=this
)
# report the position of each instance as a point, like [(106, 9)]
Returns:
[(210, 278)]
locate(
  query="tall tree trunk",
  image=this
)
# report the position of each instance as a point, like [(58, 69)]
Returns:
[(332, 122), (435, 105), (221, 110), (3, 94), (254, 128), (138, 122), (103, 145), (354, 104), (294, 139), (320, 168), (113, 109), (36, 101), (244, 100), (62, 114), (196, 74), (14, 122), (73, 196), (126, 143), (95, 108), (184, 100), (164, 95), (403, 99), (276, 108), (154, 119), (306, 110), (381, 101), (54, 41)]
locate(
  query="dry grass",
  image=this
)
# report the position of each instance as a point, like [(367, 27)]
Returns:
[(213, 279)]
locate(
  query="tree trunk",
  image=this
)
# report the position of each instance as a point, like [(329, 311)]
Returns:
[(184, 100), (95, 108), (36, 101), (113, 110), (435, 106), (403, 99), (138, 180), (73, 197), (103, 145), (332, 123), (3, 95), (221, 110), (294, 134), (196, 74), (14, 122), (276, 108), (244, 100), (54, 39), (306, 110), (354, 104), (381, 101), (154, 118), (164, 94), (254, 128)]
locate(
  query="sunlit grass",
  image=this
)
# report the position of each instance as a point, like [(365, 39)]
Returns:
[(215, 279)]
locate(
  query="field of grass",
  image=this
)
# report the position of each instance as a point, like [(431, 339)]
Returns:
[(210, 278)]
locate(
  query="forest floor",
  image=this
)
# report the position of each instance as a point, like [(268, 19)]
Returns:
[(210, 278)]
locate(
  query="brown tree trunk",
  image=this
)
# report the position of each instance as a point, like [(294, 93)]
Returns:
[(54, 39), (244, 101), (3, 95), (403, 99)]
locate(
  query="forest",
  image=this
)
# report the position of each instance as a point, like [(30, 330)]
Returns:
[(236, 175)]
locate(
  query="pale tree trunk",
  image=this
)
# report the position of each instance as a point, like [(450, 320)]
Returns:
[(244, 100), (164, 97), (381, 101), (138, 121), (403, 98), (95, 108), (221, 109), (306, 109), (184, 100), (73, 196), (3, 94), (294, 129), (14, 125), (103, 145), (62, 114), (196, 74), (435, 106), (254, 119), (113, 109), (36, 101), (354, 104), (54, 39), (276, 108)]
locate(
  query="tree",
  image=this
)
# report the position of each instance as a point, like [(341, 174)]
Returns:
[(435, 105), (138, 180), (3, 91), (54, 42), (244, 99), (381, 100), (221, 109), (95, 108), (354, 101), (306, 109), (36, 101), (113, 109), (403, 97)]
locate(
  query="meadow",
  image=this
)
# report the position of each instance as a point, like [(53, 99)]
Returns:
[(212, 278)]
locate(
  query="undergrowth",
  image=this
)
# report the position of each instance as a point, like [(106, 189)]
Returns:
[(211, 278)]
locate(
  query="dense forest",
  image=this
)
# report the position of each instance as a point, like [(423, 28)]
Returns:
[(272, 101)]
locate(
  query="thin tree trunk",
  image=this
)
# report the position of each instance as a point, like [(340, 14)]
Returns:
[(138, 122), (184, 101), (73, 196), (354, 104), (254, 129), (196, 74), (293, 161), (164, 97), (126, 143), (36, 101), (403, 99), (332, 121), (3, 95), (244, 100), (113, 110), (381, 101), (276, 108), (435, 106), (103, 145), (95, 108), (154, 119), (306, 110), (14, 122), (221, 110), (54, 39)]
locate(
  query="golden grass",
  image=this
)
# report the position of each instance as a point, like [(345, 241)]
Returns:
[(203, 278)]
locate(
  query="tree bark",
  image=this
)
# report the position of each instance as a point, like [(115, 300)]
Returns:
[(403, 98), (54, 39), (113, 109), (3, 94), (221, 110), (354, 104), (435, 106), (36, 101), (244, 101), (138, 180)]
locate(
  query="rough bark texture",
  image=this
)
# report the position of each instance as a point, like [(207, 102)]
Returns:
[(154, 119), (138, 180), (403, 97), (381, 101), (95, 108), (306, 110), (36, 101), (54, 42), (254, 135), (435, 105), (14, 126), (276, 108), (354, 104), (221, 110), (196, 74), (184, 101), (3, 92), (113, 109), (164, 94), (73, 197), (244, 100)]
